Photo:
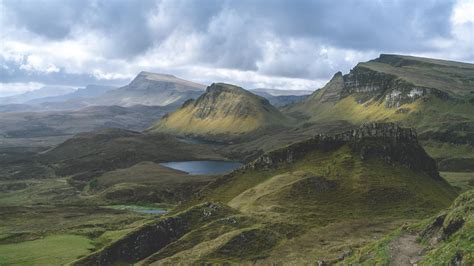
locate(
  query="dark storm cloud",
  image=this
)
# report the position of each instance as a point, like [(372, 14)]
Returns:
[(235, 34), (361, 24)]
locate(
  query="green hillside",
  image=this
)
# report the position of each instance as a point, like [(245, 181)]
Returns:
[(446, 239), (435, 97), (309, 201), (223, 109)]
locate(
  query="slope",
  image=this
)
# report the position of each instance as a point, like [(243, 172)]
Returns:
[(306, 202), (223, 109), (152, 89), (433, 96), (445, 239)]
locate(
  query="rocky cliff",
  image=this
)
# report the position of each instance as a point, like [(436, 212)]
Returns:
[(433, 96), (391, 89), (386, 141), (150, 238)]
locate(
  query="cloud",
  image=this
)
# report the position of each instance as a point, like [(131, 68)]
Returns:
[(278, 43)]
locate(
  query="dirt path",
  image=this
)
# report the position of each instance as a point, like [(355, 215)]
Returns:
[(405, 251)]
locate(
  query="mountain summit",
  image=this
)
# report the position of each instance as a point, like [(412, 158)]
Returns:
[(224, 108), (152, 89)]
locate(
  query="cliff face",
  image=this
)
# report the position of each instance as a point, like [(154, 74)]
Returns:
[(390, 89), (386, 141), (150, 238), (433, 96)]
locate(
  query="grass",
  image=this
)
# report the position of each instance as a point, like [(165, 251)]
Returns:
[(442, 251), (376, 253), (459, 243), (224, 109), (51, 250), (438, 149), (328, 202), (462, 180)]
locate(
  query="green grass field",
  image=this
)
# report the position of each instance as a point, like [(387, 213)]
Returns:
[(462, 180), (51, 250)]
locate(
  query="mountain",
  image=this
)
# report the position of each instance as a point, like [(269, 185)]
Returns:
[(48, 91), (436, 97), (43, 124), (152, 89), (307, 202), (222, 109), (89, 91), (280, 98)]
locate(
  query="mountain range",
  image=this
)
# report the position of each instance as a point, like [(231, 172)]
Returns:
[(374, 168)]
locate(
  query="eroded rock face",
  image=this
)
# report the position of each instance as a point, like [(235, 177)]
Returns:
[(394, 91), (386, 141), (152, 237)]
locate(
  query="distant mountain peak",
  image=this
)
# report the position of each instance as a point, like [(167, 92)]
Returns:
[(224, 87), (149, 79)]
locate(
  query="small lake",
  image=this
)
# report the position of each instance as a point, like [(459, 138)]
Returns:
[(203, 167), (139, 209)]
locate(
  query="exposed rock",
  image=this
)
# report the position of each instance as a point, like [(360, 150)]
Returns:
[(394, 91), (386, 141), (150, 238)]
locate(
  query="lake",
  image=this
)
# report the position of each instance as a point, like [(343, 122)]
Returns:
[(139, 209), (203, 167)]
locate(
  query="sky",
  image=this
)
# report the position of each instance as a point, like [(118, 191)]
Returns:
[(280, 44)]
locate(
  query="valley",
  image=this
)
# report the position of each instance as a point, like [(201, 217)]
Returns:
[(169, 171)]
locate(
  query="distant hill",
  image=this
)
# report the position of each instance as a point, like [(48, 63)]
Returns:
[(90, 154), (276, 92), (279, 98), (47, 91), (436, 97), (152, 89), (89, 91), (223, 109)]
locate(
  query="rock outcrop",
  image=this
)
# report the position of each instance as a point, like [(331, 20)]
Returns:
[(389, 88), (150, 238), (386, 141)]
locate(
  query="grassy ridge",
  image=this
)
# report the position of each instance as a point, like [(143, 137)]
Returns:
[(223, 109)]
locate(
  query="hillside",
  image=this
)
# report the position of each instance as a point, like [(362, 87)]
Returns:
[(152, 89), (280, 98), (48, 91), (223, 109), (445, 239), (310, 201), (435, 97), (88, 155)]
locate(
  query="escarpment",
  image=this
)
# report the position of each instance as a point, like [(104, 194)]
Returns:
[(389, 88), (386, 141), (150, 238)]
